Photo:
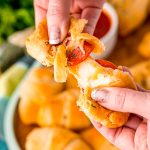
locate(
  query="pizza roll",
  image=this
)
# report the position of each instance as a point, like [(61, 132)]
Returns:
[(73, 56), (54, 138), (92, 74), (43, 102), (65, 54)]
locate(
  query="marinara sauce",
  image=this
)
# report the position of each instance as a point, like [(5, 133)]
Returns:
[(103, 25)]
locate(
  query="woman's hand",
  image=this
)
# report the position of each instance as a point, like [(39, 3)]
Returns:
[(135, 135), (59, 11)]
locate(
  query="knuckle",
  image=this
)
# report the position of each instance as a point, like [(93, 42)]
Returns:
[(55, 10), (120, 99), (140, 138), (41, 3)]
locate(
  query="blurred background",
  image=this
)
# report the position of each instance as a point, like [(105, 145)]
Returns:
[(132, 49), (14, 16)]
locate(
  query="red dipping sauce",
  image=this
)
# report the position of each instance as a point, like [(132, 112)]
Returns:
[(103, 25)]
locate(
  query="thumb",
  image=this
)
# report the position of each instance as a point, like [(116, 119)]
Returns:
[(124, 100), (58, 20)]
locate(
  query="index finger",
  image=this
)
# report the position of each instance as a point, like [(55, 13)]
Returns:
[(40, 9), (92, 15)]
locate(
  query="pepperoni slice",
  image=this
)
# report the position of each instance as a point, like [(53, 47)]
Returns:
[(106, 63), (76, 56)]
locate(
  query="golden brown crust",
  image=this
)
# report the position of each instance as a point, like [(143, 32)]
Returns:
[(44, 103), (76, 26), (97, 113), (40, 80), (54, 139), (35, 91), (38, 46), (72, 118), (91, 75)]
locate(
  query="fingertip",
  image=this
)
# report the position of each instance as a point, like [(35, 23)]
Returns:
[(58, 32), (54, 35), (57, 17), (54, 41), (94, 94), (100, 95)]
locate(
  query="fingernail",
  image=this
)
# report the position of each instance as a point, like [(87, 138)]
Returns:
[(100, 95), (54, 35)]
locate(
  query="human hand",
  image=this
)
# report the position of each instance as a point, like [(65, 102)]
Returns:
[(59, 11), (135, 134)]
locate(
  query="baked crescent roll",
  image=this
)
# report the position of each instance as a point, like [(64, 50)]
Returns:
[(35, 91), (98, 142), (54, 138), (72, 118), (73, 55), (45, 78), (39, 104), (90, 75), (40, 43)]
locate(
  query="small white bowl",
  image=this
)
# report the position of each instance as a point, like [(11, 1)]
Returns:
[(110, 38)]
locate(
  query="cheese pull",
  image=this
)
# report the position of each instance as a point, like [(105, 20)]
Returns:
[(90, 74)]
